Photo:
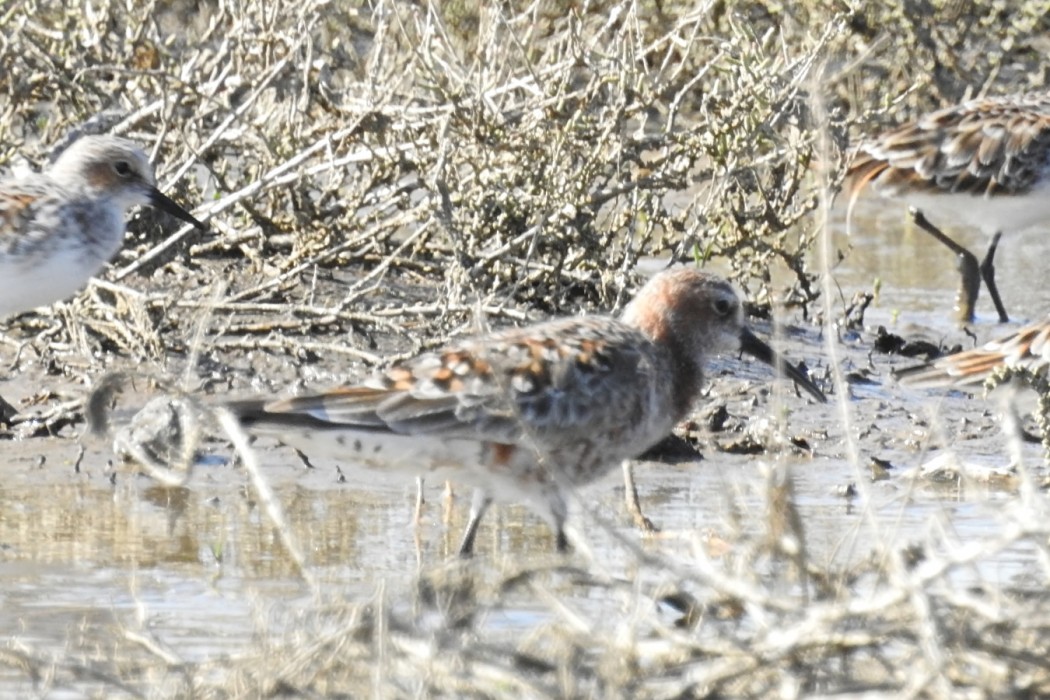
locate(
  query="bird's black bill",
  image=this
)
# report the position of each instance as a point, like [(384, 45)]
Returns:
[(753, 346), (166, 204)]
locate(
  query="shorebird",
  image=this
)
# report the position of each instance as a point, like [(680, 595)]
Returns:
[(1027, 348), (985, 162), (1027, 351), (527, 414), (59, 227)]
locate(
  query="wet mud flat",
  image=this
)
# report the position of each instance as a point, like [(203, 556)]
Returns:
[(114, 583)]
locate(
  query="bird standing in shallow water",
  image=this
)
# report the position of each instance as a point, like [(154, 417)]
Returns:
[(985, 162), (60, 227), (529, 413)]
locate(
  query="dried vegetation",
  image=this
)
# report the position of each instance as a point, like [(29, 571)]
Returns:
[(380, 176)]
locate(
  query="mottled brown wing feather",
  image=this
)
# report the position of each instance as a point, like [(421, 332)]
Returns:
[(543, 381), (357, 405), (16, 204), (1027, 347), (980, 147)]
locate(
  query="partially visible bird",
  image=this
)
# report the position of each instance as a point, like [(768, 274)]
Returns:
[(58, 228), (985, 162), (1027, 348)]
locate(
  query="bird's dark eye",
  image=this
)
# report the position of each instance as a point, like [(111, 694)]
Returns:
[(722, 306), (122, 167)]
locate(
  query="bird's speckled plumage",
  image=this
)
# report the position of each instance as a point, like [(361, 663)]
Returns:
[(1028, 348), (983, 163), (994, 148), (59, 227), (525, 413)]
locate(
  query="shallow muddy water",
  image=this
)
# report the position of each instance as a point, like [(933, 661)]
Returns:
[(90, 548)]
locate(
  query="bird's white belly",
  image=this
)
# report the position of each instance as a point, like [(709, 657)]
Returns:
[(1006, 213), (458, 459), (43, 280)]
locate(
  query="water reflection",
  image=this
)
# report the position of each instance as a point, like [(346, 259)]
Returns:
[(919, 274)]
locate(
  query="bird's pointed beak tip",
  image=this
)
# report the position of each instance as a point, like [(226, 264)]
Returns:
[(756, 347), (166, 204)]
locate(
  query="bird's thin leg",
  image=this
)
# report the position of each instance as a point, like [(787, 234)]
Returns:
[(561, 542), (417, 544), (969, 268), (448, 499), (479, 503), (988, 273), (420, 502), (559, 516), (631, 496)]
